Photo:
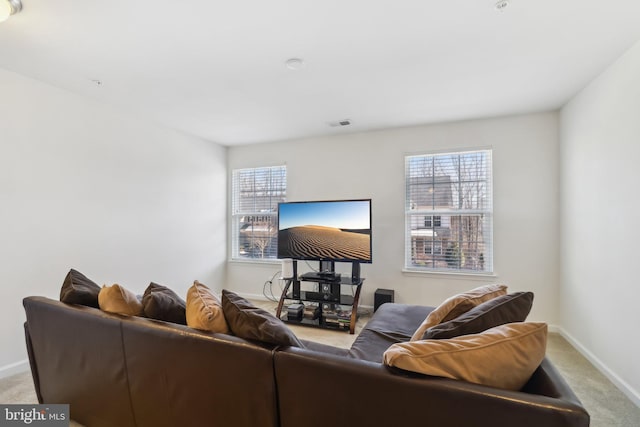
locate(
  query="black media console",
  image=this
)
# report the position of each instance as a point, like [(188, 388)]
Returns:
[(333, 305)]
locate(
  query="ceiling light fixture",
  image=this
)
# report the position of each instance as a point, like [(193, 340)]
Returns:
[(8, 8), (294, 63)]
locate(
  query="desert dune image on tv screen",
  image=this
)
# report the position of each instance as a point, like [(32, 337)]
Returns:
[(325, 230)]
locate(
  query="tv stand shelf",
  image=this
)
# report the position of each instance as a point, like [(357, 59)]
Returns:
[(330, 294)]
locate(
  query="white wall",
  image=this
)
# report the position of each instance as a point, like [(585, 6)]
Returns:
[(84, 186), (600, 150), (371, 164)]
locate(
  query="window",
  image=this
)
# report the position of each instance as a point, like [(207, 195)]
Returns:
[(437, 221), (431, 247), (256, 193), (449, 212)]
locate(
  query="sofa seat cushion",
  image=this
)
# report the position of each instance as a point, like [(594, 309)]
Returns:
[(390, 324), (324, 348)]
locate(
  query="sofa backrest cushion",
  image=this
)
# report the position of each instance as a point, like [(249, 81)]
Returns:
[(134, 372), (161, 303), (378, 395), (505, 356), (508, 308), (80, 360), (117, 299), (183, 377), (79, 289), (454, 306), (204, 310), (253, 323)]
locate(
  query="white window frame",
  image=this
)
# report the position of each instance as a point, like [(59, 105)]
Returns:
[(263, 210), (455, 216)]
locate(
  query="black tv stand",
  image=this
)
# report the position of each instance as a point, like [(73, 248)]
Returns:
[(327, 274), (329, 297), (320, 276)]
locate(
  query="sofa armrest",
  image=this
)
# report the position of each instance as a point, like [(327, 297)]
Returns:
[(32, 363), (547, 381), (315, 389)]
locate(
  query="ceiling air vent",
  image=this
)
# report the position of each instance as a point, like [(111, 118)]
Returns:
[(345, 122), (502, 4)]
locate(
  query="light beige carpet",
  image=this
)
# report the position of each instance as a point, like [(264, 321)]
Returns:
[(607, 405)]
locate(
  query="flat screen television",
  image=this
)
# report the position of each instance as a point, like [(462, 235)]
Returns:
[(332, 230)]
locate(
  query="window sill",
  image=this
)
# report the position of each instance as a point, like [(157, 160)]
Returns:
[(463, 275)]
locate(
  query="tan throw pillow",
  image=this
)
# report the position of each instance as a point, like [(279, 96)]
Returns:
[(505, 356), (458, 304), (204, 310), (116, 299)]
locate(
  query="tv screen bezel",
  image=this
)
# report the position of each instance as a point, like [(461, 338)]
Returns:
[(314, 258)]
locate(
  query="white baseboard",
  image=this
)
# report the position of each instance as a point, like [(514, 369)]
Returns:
[(260, 297), (629, 391), (257, 297), (14, 368), (554, 329)]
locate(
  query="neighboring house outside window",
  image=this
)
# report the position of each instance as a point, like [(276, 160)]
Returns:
[(449, 212), (256, 193)]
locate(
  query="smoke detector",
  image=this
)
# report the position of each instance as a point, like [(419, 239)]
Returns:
[(502, 4), (345, 122), (294, 63)]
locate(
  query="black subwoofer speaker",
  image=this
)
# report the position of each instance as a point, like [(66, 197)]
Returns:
[(381, 296)]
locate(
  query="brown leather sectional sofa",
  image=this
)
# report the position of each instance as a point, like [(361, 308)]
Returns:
[(118, 371)]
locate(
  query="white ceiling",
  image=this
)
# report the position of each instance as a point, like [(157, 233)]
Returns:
[(216, 69)]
